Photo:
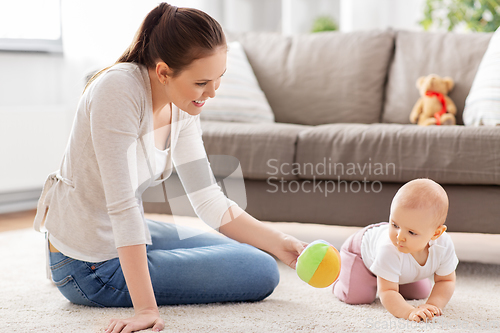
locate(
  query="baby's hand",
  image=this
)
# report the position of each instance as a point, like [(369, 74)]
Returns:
[(432, 308), (424, 312)]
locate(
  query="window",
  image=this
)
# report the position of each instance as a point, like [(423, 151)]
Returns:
[(30, 25)]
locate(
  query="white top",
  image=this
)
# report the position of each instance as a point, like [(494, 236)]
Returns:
[(94, 201), (383, 259), (161, 162)]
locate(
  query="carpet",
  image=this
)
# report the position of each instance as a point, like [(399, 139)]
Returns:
[(31, 303)]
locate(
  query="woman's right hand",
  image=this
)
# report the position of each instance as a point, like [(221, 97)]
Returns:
[(289, 250), (142, 320)]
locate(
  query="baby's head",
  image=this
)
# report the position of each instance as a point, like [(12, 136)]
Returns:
[(418, 213)]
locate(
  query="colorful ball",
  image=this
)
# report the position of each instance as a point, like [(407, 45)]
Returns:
[(319, 264)]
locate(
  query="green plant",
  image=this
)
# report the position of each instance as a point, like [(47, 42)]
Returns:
[(474, 15), (324, 23)]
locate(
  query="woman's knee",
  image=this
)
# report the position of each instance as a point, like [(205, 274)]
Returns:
[(265, 274), (272, 276)]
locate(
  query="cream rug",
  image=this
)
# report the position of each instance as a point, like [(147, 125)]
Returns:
[(31, 303)]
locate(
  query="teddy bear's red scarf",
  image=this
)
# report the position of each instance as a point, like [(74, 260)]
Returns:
[(440, 97)]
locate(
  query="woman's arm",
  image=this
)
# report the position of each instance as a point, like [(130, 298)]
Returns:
[(134, 264), (239, 225)]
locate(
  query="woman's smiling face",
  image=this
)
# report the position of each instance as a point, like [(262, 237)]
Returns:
[(190, 89)]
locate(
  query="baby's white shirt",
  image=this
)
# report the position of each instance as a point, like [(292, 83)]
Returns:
[(383, 259)]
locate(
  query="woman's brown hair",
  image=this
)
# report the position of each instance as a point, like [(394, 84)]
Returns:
[(176, 36)]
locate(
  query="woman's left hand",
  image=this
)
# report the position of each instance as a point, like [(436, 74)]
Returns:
[(289, 250)]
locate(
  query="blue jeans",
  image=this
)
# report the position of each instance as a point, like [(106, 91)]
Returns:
[(201, 269)]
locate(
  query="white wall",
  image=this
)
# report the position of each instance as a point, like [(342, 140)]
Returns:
[(380, 14), (32, 118), (299, 15), (251, 15)]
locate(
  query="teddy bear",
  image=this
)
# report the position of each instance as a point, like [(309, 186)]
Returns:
[(434, 107)]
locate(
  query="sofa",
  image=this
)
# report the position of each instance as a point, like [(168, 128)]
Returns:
[(341, 143)]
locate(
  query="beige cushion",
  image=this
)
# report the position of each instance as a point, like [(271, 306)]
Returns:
[(423, 53), (260, 148), (239, 97), (399, 153), (321, 78)]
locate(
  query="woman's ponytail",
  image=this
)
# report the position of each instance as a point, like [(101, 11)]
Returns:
[(138, 51), (176, 36)]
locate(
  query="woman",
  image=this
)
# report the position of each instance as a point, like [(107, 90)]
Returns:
[(102, 251)]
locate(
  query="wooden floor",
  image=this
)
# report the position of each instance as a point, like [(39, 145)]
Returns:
[(18, 220)]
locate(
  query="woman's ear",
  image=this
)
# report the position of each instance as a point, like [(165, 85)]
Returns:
[(438, 232), (162, 72)]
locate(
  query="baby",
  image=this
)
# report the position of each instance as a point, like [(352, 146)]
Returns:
[(396, 259)]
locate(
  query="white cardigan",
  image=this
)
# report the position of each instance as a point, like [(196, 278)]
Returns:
[(93, 204)]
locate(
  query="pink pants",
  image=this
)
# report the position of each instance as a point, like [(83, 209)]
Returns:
[(357, 285)]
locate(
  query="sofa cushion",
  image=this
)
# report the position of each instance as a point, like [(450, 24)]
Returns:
[(482, 106), (423, 53), (239, 97), (399, 153), (263, 150), (321, 78)]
